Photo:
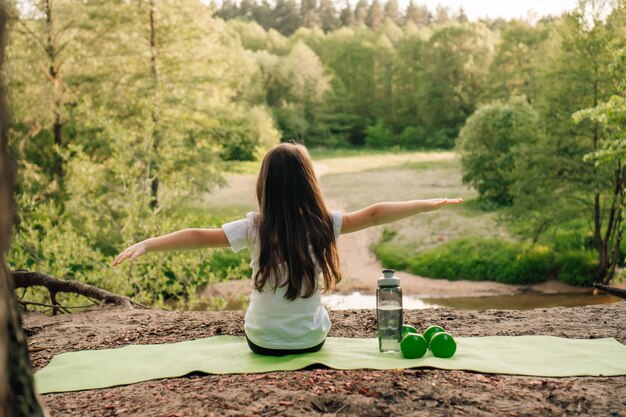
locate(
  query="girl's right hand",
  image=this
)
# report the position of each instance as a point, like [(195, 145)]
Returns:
[(448, 201), (131, 252)]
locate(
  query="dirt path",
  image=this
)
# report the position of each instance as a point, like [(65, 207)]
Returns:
[(324, 392)]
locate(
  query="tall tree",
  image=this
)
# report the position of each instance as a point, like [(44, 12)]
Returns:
[(515, 70), (456, 59), (417, 14), (442, 15), (310, 14), (360, 12), (47, 31), (262, 14), (347, 15), (246, 9), (17, 388), (287, 17), (556, 184), (328, 15), (392, 11), (461, 17), (611, 115), (228, 10), (375, 15)]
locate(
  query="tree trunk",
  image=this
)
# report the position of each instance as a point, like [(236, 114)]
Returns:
[(17, 392), (153, 171), (613, 236), (600, 244), (618, 292), (55, 75)]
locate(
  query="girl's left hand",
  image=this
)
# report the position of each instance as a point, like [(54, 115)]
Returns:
[(131, 252)]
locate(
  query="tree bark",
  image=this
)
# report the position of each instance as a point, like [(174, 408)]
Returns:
[(24, 279), (54, 70), (618, 292), (153, 171), (17, 391)]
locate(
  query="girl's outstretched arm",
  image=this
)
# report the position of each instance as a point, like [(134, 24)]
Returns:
[(381, 213), (182, 239)]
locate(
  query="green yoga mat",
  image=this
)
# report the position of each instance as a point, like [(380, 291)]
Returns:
[(516, 355)]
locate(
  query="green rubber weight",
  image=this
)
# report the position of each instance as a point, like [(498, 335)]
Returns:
[(413, 346), (442, 345), (431, 331), (407, 328)]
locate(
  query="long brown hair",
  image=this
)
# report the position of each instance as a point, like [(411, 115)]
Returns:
[(293, 216)]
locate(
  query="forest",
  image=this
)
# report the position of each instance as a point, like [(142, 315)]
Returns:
[(124, 113)]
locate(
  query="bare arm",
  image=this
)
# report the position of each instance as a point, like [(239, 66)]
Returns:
[(381, 213), (182, 239)]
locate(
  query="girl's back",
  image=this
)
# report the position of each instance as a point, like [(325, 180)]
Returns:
[(272, 320), (292, 242)]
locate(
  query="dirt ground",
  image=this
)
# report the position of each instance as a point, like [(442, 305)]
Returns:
[(319, 391)]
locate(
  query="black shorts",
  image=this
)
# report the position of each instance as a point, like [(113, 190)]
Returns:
[(281, 352)]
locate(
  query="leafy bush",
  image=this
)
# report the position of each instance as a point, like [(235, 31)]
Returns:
[(483, 259), (577, 267), (413, 137), (487, 144), (492, 260), (442, 138), (59, 246), (379, 136)]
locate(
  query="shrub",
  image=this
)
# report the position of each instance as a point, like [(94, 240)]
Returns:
[(442, 138), (487, 144), (492, 260), (577, 267), (413, 137), (485, 259), (379, 136)]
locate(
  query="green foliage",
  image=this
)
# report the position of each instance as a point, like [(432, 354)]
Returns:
[(482, 259), (379, 136), (413, 137), (577, 267), (488, 144), (119, 131), (494, 260)]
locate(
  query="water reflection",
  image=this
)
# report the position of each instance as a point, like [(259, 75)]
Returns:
[(501, 302), (357, 300), (523, 301)]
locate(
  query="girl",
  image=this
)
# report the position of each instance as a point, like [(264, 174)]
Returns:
[(292, 243)]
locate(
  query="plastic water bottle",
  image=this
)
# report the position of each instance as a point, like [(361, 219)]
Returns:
[(389, 312)]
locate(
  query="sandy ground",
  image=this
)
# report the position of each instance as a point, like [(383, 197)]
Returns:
[(318, 391)]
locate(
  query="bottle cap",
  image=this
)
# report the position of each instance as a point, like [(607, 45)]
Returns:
[(388, 279)]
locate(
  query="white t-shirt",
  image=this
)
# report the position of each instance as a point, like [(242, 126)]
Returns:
[(272, 321)]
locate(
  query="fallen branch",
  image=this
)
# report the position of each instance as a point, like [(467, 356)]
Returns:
[(53, 306), (618, 292), (24, 279)]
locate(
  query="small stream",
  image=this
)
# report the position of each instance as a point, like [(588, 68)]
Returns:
[(525, 301), (359, 301)]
